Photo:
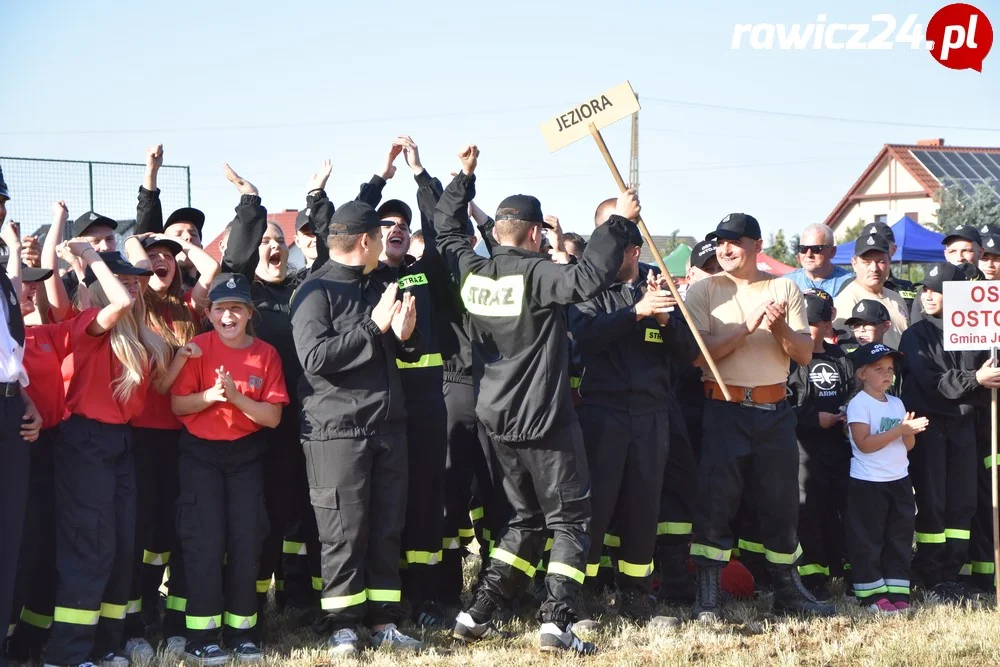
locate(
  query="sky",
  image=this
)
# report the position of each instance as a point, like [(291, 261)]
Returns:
[(274, 88)]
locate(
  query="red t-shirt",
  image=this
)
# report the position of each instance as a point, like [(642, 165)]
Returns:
[(94, 368), (46, 346), (256, 370)]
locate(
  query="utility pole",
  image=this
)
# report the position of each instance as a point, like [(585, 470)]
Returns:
[(633, 169)]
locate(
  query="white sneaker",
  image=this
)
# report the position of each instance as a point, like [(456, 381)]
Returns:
[(552, 638), (343, 644), (139, 650), (391, 638)]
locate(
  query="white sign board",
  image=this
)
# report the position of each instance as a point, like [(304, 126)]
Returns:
[(971, 315), (602, 110)]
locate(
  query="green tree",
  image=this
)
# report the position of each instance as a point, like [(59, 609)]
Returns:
[(778, 248), (854, 231), (957, 207), (670, 245)]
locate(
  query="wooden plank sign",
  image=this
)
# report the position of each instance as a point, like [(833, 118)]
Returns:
[(601, 110)]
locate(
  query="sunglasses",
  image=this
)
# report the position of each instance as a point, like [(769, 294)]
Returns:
[(816, 249)]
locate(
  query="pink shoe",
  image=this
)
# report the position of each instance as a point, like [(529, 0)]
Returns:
[(882, 606), (903, 607)]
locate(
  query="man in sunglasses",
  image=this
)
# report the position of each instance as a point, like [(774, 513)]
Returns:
[(815, 253)]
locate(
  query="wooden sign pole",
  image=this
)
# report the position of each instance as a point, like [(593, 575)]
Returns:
[(996, 505), (596, 133)]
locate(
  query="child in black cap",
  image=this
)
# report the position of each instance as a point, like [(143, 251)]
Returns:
[(879, 519), (818, 391), (947, 386)]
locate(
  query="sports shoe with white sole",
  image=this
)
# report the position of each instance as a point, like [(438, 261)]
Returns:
[(206, 655), (467, 630), (391, 638), (174, 645), (248, 652), (114, 660), (342, 644), (552, 638)]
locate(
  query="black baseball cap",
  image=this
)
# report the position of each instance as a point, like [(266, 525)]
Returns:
[(967, 232), (230, 287), (991, 243), (4, 192), (819, 306), (357, 218), (521, 207), (869, 353), (868, 311), (29, 274), (187, 214), (881, 229), (396, 207), (734, 226), (702, 252), (869, 242), (118, 265), (989, 228), (938, 274), (303, 221), (89, 219), (173, 246)]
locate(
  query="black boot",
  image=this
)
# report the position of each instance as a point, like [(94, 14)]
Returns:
[(708, 601), (676, 584), (790, 596)]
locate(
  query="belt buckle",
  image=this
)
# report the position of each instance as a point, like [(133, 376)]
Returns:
[(10, 389), (748, 402)]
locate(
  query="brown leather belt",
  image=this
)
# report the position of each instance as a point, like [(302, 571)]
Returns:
[(763, 395)]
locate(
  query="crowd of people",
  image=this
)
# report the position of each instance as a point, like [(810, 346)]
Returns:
[(344, 434)]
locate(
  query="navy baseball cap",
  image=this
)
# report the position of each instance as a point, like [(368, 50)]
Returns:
[(396, 207), (966, 232), (186, 214), (735, 226), (89, 219), (357, 218), (881, 229), (173, 246), (989, 228), (868, 242), (939, 274), (819, 306), (118, 265), (521, 207), (303, 221), (29, 274), (869, 353), (702, 252), (991, 243), (230, 287), (868, 311)]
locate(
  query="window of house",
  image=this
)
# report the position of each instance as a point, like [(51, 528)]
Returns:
[(881, 218)]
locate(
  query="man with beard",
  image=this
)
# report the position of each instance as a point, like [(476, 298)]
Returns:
[(871, 270)]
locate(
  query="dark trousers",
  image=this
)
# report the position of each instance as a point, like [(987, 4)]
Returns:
[(470, 458), (626, 455), (300, 569), (981, 542), (680, 474), (879, 531), (155, 453), (281, 498), (35, 592), (747, 447), (423, 532), (358, 491), (95, 539), (548, 486), (221, 516), (823, 475), (943, 469), (15, 466)]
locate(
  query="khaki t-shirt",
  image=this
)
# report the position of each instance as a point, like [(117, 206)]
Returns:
[(718, 306), (849, 297)]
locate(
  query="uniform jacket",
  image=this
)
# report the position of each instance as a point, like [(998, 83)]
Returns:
[(935, 381)]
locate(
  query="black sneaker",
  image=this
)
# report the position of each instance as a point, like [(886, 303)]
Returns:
[(248, 652), (553, 639), (467, 630), (206, 654), (428, 615)]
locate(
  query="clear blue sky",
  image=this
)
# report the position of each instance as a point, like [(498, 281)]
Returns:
[(103, 80)]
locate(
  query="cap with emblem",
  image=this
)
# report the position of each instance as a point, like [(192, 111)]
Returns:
[(881, 229), (868, 311), (4, 192), (989, 228), (735, 226), (701, 253), (89, 219), (819, 306), (869, 353), (939, 274), (118, 265), (965, 232), (355, 217), (186, 214), (521, 207), (303, 221), (230, 287), (29, 274), (991, 243), (869, 242), (396, 207)]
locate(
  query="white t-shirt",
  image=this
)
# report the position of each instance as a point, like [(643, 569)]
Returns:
[(889, 463)]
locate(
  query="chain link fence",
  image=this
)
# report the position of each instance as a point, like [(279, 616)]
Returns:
[(109, 188)]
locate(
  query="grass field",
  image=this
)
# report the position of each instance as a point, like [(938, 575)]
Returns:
[(933, 634)]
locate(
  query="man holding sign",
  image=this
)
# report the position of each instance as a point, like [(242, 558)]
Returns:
[(517, 302), (754, 324)]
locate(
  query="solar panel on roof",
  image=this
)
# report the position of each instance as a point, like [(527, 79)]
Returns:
[(966, 169)]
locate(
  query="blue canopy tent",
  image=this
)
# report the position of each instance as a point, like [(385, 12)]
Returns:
[(914, 243)]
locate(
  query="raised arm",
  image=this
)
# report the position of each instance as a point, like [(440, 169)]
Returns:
[(451, 216), (119, 301), (149, 210), (371, 192), (321, 211), (248, 227), (55, 290)]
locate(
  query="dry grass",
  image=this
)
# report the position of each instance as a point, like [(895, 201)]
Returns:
[(752, 635)]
